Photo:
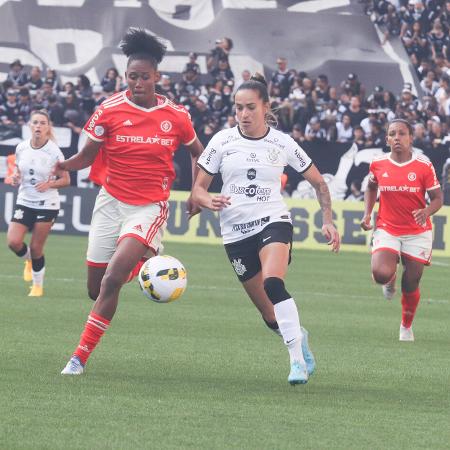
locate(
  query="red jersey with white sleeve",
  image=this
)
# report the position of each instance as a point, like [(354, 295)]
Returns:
[(135, 164), (402, 188)]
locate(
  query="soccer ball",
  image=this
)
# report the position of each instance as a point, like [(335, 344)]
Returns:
[(162, 279)]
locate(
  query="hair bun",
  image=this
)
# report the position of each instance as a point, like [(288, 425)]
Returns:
[(259, 77)]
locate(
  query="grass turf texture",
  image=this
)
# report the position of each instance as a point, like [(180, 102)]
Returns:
[(205, 372)]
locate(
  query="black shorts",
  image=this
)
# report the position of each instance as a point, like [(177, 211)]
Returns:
[(244, 254), (29, 216)]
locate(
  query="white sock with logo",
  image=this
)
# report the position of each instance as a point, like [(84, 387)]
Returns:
[(288, 320), (38, 277)]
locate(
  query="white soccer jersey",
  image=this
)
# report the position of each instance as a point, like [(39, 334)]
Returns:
[(251, 171), (35, 165)]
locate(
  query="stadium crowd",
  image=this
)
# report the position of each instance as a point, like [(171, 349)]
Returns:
[(306, 106)]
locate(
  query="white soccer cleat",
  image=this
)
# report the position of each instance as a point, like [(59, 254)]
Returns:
[(298, 373), (73, 367), (406, 334), (389, 288)]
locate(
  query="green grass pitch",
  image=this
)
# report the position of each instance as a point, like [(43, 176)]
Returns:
[(205, 372)]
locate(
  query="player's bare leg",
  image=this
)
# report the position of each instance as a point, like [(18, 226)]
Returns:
[(274, 259), (129, 251), (15, 239), (384, 271), (94, 280)]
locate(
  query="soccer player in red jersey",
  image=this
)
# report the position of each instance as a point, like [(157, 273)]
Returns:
[(403, 226), (137, 132)]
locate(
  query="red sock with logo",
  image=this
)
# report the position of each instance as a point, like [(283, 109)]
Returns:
[(410, 300), (95, 327)]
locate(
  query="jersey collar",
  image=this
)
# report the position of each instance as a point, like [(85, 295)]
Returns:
[(413, 158), (252, 138), (162, 101)]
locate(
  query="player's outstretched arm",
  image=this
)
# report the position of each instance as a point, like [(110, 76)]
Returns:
[(314, 177), (79, 161), (370, 197), (203, 198)]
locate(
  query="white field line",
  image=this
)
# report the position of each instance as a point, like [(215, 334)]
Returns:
[(238, 289)]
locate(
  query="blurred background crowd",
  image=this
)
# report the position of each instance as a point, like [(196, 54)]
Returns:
[(306, 106)]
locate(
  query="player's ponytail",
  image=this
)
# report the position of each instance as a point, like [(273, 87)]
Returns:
[(138, 43), (258, 83)]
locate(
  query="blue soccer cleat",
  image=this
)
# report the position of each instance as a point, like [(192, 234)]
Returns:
[(73, 367), (298, 373), (307, 353)]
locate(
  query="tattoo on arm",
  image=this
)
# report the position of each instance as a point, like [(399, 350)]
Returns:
[(324, 198)]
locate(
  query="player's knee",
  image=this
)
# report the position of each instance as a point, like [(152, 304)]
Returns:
[(275, 290), (382, 276), (14, 244)]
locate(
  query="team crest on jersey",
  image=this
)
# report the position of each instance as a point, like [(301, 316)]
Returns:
[(411, 176), (272, 155), (165, 183), (239, 268), (166, 126), (251, 174), (99, 130)]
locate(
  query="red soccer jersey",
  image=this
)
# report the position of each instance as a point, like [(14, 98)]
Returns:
[(402, 190), (138, 147)]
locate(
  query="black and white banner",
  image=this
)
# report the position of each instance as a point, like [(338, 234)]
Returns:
[(81, 36)]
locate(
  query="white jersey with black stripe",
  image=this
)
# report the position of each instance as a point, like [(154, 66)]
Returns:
[(251, 170), (35, 166)]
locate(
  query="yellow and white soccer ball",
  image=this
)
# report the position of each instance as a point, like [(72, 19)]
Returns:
[(163, 279)]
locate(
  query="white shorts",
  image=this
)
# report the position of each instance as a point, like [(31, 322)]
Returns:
[(112, 220), (413, 246)]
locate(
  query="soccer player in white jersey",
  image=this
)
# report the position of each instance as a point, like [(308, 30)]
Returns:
[(132, 136), (255, 222), (37, 203), (403, 225)]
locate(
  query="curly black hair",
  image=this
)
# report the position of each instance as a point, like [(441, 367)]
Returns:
[(138, 43)]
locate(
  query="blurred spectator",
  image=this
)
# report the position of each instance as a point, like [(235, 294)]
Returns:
[(222, 71), (416, 43), (314, 130), (99, 94), (17, 75), (9, 110), (192, 64), (112, 81), (353, 87), (390, 23), (344, 129), (355, 111), (166, 87), (377, 135), (359, 137), (34, 80), (421, 139), (221, 50), (188, 84), (439, 41), (230, 122), (52, 78), (55, 110), (429, 84), (24, 105), (84, 93), (355, 192), (281, 81)]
